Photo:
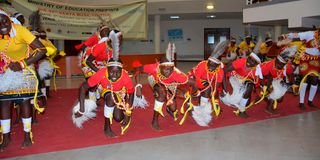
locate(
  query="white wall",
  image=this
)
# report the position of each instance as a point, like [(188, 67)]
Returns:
[(193, 29), (291, 11)]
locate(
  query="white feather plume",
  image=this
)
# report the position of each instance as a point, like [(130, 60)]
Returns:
[(45, 69), (278, 91), (288, 52), (256, 49), (115, 41), (11, 80), (171, 49), (202, 114), (90, 107), (219, 49), (238, 89)]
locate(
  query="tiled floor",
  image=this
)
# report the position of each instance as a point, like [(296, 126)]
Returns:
[(289, 138)]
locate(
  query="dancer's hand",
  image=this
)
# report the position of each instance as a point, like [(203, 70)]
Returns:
[(139, 91), (223, 93), (78, 114), (15, 66)]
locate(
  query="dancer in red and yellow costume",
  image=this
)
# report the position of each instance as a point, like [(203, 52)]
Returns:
[(274, 87), (309, 64), (117, 91), (97, 56), (208, 76), (164, 78), (17, 76), (246, 73)]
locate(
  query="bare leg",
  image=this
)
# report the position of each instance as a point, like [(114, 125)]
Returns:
[(108, 114), (26, 114), (5, 110)]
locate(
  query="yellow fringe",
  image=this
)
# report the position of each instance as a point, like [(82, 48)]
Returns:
[(236, 112), (216, 107), (1, 134), (275, 104), (264, 91), (187, 95), (305, 77), (125, 128), (186, 114), (36, 106)]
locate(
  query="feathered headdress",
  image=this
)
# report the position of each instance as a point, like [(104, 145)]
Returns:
[(170, 54), (107, 23), (217, 51), (286, 54), (115, 42), (255, 52)]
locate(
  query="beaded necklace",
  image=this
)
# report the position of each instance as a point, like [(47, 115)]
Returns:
[(166, 85), (121, 104), (3, 54)]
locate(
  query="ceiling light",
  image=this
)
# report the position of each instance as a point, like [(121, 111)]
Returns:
[(174, 17), (211, 16), (210, 6)]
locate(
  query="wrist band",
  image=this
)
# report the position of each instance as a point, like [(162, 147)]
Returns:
[(80, 112), (138, 85), (23, 64)]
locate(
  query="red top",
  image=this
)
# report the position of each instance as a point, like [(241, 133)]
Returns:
[(100, 78), (242, 70), (91, 41), (269, 67), (176, 77), (201, 73), (102, 52)]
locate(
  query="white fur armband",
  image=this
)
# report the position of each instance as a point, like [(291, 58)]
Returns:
[(139, 102), (90, 107)]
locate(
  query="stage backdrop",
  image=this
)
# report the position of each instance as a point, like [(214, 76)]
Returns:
[(64, 21)]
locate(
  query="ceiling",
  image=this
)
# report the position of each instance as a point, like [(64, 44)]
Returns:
[(186, 9)]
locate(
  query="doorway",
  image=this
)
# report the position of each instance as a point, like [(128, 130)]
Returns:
[(212, 36)]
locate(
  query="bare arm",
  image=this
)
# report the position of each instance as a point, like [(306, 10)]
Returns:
[(89, 62), (41, 52), (226, 70)]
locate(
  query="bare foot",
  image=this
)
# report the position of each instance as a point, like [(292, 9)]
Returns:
[(27, 142), (311, 105), (5, 142), (243, 114), (302, 107), (269, 111), (155, 126), (110, 133)]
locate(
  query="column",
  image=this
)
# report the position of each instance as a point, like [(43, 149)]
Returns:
[(157, 40), (277, 32)]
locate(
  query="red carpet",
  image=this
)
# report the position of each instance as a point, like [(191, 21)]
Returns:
[(56, 132)]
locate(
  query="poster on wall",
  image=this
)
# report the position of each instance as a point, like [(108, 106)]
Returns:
[(63, 21), (175, 34)]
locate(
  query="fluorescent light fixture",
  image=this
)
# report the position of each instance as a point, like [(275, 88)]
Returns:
[(174, 17), (211, 16), (210, 6)]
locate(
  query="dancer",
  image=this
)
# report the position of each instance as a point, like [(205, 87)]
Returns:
[(208, 76), (245, 47), (17, 76), (274, 71), (117, 90), (246, 73), (164, 79), (309, 65)]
